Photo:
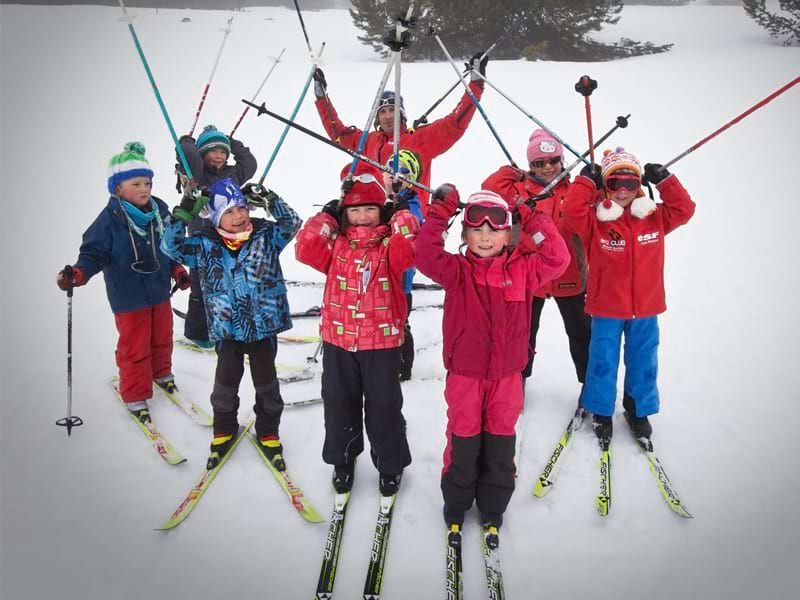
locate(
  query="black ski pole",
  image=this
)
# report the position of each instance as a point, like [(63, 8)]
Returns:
[(70, 420)]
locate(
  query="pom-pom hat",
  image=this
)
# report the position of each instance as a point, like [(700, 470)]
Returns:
[(128, 164), (212, 138), (543, 145), (365, 187), (222, 195)]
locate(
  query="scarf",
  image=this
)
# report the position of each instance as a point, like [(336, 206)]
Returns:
[(234, 241)]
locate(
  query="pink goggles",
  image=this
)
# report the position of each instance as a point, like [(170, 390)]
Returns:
[(477, 213)]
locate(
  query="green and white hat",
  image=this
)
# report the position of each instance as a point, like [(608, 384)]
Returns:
[(127, 165)]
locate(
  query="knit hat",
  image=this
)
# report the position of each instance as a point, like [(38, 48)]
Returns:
[(410, 160), (543, 145), (362, 193), (388, 99), (212, 138), (222, 195), (619, 160), (127, 165)]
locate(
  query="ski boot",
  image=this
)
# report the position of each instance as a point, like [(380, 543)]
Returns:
[(220, 446), (139, 411), (343, 476), (271, 446), (389, 484)]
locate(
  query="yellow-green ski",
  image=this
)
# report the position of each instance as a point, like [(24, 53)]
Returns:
[(604, 496)]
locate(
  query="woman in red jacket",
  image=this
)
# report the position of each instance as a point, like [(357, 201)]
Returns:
[(487, 315), (624, 238), (363, 318)]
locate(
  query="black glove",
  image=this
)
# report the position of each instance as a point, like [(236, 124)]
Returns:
[(593, 172), (190, 206), (186, 138), (655, 173), (258, 196), (390, 39), (320, 85), (332, 208), (476, 65)]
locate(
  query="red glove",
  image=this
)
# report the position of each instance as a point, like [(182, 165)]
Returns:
[(445, 201), (181, 278), (69, 277)]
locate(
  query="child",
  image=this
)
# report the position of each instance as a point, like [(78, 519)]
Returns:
[(245, 301), (624, 238), (364, 253), (208, 160), (545, 160), (487, 312), (410, 166), (123, 242)]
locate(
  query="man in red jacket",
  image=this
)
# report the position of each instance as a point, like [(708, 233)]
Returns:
[(428, 142)]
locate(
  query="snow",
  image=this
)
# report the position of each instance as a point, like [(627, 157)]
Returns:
[(78, 512)]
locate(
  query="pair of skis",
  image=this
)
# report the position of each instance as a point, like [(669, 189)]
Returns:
[(378, 551), (491, 558), (603, 501)]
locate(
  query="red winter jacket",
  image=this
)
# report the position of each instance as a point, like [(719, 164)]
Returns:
[(364, 307), (626, 256), (487, 302), (429, 141), (511, 183)]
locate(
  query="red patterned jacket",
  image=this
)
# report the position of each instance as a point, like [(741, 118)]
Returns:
[(487, 302), (364, 307), (511, 183), (626, 256)]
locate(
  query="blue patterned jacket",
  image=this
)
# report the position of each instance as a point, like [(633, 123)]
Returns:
[(244, 292)]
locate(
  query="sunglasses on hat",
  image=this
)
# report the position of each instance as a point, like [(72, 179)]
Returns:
[(628, 182), (542, 162), (478, 213)]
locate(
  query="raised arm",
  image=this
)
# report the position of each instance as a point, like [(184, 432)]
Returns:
[(246, 163), (431, 257), (314, 245)]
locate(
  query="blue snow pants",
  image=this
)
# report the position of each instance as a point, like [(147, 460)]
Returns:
[(641, 365)]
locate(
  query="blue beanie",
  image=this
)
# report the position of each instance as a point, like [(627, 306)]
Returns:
[(127, 165), (212, 138), (222, 195)]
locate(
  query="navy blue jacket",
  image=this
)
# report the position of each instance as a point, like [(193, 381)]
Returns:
[(107, 247)]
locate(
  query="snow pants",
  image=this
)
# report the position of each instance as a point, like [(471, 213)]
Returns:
[(363, 389), (407, 349), (641, 365), (577, 324), (196, 325), (479, 456), (144, 350), (225, 396)]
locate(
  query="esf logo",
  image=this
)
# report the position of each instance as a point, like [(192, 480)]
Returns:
[(648, 238)]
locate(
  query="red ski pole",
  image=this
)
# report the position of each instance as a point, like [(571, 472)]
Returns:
[(226, 30), (732, 122), (585, 86)]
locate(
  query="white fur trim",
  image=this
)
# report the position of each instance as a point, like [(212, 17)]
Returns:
[(642, 207), (609, 214)]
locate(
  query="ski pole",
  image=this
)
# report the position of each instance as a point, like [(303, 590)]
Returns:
[(424, 118), (585, 86), (732, 122), (227, 30), (622, 123), (532, 118), (302, 25), (263, 110), (314, 60), (258, 91), (472, 97), (403, 24), (70, 420), (129, 20)]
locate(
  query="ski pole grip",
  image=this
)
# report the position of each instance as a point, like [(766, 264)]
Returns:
[(585, 86), (622, 122), (70, 273)]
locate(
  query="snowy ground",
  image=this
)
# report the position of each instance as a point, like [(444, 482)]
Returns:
[(78, 513)]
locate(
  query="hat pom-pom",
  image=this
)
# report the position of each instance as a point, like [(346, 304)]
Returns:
[(606, 203), (620, 149), (137, 147), (209, 128)]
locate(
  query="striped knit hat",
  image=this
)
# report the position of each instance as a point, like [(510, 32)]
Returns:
[(619, 160), (131, 163), (212, 138)]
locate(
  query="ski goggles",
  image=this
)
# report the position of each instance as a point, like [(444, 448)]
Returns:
[(627, 182), (477, 213), (543, 162)]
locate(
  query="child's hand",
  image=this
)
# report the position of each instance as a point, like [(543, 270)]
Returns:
[(593, 172), (70, 277), (332, 208), (189, 207), (258, 196), (445, 201), (655, 173), (181, 278)]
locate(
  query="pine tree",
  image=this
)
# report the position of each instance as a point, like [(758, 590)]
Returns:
[(554, 30), (785, 27)]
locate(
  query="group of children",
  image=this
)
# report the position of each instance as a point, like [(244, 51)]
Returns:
[(517, 250)]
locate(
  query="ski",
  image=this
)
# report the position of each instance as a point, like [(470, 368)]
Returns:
[(299, 339), (299, 403), (380, 546), (197, 414), (550, 471), (604, 495), (193, 497), (298, 499), (455, 586), (333, 543), (314, 311), (160, 443), (491, 559)]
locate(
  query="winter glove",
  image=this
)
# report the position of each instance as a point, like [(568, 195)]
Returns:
[(476, 66), (190, 206), (404, 223), (258, 196), (186, 138), (655, 173), (181, 278), (332, 209), (445, 201), (390, 39), (593, 172), (320, 85), (70, 277)]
